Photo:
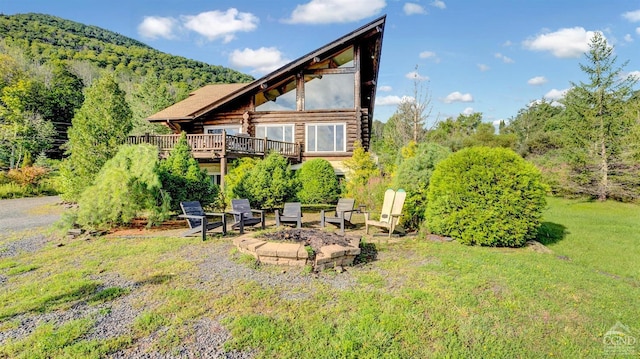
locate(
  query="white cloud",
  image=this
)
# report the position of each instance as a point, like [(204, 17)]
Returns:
[(505, 59), (564, 43), (507, 43), (634, 74), (384, 88), (538, 80), (632, 16), (429, 55), (628, 38), (217, 24), (468, 111), (483, 67), (262, 60), (413, 9), (638, 30), (335, 11), (496, 122), (414, 75), (153, 27), (555, 94), (439, 4), (391, 100), (458, 97)]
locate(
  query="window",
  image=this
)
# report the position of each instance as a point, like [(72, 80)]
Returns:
[(329, 91), (329, 137), (275, 132), (217, 130), (281, 97)]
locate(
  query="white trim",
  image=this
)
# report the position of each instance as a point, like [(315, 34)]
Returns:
[(290, 125), (221, 127), (344, 135)]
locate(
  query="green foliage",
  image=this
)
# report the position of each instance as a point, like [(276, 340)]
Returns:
[(46, 38), (486, 196), (236, 177), (99, 127), (318, 181), (23, 131), (271, 182), (597, 121), (362, 175), (126, 187), (413, 176), (27, 182), (183, 179)]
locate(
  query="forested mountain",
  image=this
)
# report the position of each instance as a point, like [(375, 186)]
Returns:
[(46, 64), (46, 38)]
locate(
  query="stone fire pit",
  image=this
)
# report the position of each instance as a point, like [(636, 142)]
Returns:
[(300, 247)]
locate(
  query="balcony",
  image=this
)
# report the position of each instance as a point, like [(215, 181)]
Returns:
[(212, 146)]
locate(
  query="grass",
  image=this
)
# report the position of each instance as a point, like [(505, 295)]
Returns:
[(418, 299)]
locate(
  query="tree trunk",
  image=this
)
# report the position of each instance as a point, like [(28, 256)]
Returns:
[(603, 191)]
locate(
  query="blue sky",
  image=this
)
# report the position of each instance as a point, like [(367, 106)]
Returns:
[(493, 57)]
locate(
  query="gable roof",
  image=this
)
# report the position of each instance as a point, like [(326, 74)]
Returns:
[(190, 109), (197, 100)]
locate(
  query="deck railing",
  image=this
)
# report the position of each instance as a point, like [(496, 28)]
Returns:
[(221, 144)]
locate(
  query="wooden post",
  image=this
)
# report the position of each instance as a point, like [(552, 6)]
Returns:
[(223, 171), (264, 147), (223, 159)]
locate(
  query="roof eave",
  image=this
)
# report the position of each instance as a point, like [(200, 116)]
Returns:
[(299, 63)]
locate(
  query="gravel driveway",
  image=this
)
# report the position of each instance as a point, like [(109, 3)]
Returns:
[(26, 213)]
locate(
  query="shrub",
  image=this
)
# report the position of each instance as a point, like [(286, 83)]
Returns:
[(486, 196), (235, 179), (183, 179), (413, 175), (362, 176), (27, 176), (271, 182), (318, 181), (128, 185)]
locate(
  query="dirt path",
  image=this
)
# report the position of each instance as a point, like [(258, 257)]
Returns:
[(27, 213)]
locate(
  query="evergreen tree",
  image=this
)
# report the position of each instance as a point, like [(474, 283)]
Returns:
[(98, 129), (362, 173), (596, 118), (271, 182), (183, 179), (318, 181)]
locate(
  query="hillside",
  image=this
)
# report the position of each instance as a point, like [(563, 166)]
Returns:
[(48, 38)]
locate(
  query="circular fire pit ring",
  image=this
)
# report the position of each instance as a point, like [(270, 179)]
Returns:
[(301, 247)]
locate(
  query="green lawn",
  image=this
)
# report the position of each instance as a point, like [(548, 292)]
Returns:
[(417, 300)]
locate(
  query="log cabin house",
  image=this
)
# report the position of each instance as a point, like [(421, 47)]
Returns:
[(317, 106)]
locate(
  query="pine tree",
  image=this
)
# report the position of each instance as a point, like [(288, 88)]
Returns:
[(596, 116), (99, 127)]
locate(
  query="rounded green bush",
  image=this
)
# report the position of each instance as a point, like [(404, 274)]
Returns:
[(486, 196), (413, 175), (318, 181)]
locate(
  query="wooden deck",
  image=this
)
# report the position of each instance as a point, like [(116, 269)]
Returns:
[(221, 145)]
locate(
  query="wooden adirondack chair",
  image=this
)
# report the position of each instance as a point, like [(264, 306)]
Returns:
[(292, 213), (391, 211), (342, 214), (197, 219), (243, 214)]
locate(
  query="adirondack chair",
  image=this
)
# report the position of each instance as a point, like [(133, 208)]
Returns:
[(292, 213), (391, 211), (243, 214), (342, 214), (197, 219)]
